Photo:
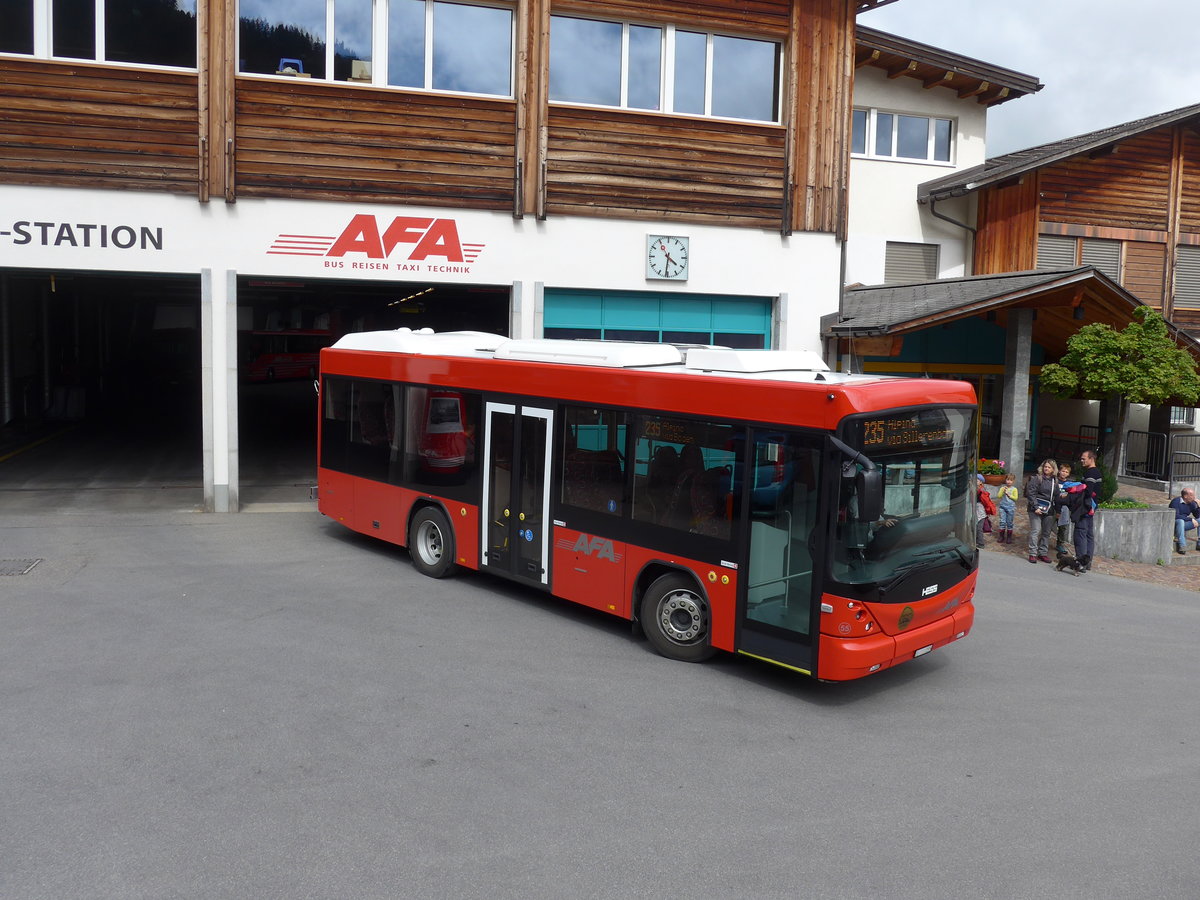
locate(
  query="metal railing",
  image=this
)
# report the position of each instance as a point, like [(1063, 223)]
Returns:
[(1185, 458), (1145, 455), (1063, 446)]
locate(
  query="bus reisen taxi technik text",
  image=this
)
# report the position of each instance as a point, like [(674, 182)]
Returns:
[(748, 501)]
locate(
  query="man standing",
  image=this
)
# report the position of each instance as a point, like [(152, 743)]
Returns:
[(1187, 514), (1085, 531)]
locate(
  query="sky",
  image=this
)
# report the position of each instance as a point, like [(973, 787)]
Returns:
[(1103, 62)]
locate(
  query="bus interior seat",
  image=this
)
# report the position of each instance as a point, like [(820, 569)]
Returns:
[(371, 427), (592, 478), (661, 478)]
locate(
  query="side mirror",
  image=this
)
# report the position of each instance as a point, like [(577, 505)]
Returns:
[(868, 487)]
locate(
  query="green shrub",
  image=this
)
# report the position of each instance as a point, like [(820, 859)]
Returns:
[(1124, 503), (1108, 484)]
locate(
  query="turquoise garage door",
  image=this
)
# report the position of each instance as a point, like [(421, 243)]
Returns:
[(742, 322)]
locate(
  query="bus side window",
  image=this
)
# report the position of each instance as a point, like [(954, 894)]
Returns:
[(688, 483), (440, 432), (593, 476), (335, 427), (370, 450)]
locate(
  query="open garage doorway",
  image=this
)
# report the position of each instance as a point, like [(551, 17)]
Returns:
[(283, 323), (100, 392)]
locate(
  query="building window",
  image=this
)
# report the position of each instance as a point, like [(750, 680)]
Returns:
[(430, 44), (143, 32), (1183, 416), (885, 135), (1104, 255), (1187, 277), (631, 66), (1060, 252), (1056, 252), (910, 263)]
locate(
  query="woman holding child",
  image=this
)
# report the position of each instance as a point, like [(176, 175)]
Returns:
[(1041, 491)]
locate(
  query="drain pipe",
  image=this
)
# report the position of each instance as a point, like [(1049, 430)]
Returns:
[(945, 218)]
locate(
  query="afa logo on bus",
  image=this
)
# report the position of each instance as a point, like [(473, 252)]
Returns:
[(368, 239)]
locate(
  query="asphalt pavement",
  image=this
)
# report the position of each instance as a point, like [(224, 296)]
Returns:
[(265, 705)]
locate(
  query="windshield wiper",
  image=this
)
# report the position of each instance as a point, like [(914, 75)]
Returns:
[(903, 572), (924, 561)]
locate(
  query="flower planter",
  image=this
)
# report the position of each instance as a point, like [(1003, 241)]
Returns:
[(994, 479)]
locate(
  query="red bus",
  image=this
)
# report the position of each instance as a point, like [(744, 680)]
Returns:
[(748, 501), (280, 355)]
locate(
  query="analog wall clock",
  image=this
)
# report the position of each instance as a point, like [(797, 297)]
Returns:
[(666, 257)]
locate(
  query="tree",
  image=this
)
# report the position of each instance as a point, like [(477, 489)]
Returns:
[(1139, 364)]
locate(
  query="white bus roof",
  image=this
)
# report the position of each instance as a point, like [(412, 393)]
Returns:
[(785, 365), (423, 342)]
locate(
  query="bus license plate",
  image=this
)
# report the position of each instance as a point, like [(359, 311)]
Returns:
[(922, 651)]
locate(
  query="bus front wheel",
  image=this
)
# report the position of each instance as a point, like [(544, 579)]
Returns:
[(431, 543), (676, 619)]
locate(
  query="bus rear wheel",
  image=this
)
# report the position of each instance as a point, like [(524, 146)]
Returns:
[(676, 619), (431, 543)]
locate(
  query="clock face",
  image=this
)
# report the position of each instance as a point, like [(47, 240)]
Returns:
[(666, 257)]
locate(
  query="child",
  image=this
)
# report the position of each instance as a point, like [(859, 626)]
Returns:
[(1064, 512), (1008, 507), (984, 507)]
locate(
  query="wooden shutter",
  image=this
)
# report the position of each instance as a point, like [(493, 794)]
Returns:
[(1056, 252), (1187, 277), (905, 263), (1104, 255)]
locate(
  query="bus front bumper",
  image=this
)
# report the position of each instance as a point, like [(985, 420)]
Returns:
[(844, 659)]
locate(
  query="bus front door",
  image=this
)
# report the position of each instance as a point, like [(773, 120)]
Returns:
[(516, 491), (778, 617)]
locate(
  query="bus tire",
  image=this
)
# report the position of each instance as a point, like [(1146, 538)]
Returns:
[(676, 619), (431, 543)]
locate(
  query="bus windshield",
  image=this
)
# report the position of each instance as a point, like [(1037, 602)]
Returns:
[(928, 515)]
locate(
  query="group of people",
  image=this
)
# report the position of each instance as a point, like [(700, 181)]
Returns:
[(1058, 506)]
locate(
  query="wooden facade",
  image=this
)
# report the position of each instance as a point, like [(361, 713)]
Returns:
[(81, 125), (1141, 191), (217, 134)]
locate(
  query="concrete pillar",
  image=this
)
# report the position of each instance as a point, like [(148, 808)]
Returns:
[(1014, 407), (7, 376), (218, 348), (526, 310)]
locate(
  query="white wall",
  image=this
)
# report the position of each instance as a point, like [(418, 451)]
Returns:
[(883, 193)]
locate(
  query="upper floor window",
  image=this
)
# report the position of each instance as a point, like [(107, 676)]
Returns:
[(907, 263), (652, 67), (888, 135), (424, 44), (1064, 252), (148, 32), (1187, 277)]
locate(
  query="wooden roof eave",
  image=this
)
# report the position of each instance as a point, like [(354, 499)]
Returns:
[(934, 67), (1061, 292), (1022, 162)]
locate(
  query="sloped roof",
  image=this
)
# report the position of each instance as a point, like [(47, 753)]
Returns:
[(1012, 165), (864, 5), (933, 67), (1065, 301)]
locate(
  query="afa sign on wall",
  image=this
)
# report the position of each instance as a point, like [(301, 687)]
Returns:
[(404, 244)]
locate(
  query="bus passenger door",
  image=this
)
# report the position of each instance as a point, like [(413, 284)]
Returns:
[(516, 491), (777, 618)]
